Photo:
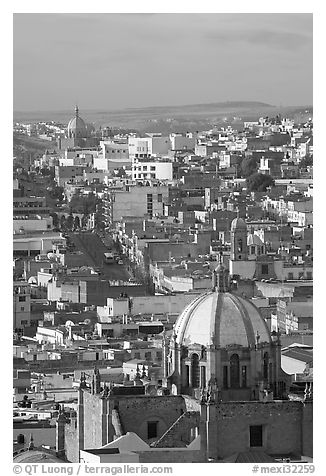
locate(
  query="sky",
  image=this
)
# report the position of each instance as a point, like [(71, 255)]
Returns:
[(113, 61)]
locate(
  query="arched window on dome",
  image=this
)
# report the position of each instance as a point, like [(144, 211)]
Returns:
[(265, 365), (240, 245), (234, 371), (195, 375), (203, 377)]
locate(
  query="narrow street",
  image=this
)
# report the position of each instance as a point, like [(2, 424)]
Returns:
[(92, 246)]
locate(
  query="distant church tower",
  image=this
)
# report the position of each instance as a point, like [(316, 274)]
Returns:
[(239, 248)]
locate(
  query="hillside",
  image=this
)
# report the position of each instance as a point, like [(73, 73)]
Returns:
[(168, 119)]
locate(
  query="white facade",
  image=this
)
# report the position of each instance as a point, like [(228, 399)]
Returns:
[(137, 201), (147, 146), (114, 307), (161, 304), (113, 156), (41, 243), (36, 224), (53, 336), (153, 170)]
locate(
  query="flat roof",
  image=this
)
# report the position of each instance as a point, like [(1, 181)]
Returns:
[(101, 451)]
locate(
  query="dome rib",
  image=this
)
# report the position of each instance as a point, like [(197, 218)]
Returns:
[(245, 319), (183, 320), (217, 321)]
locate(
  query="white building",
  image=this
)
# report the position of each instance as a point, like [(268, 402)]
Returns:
[(135, 201), (114, 155), (36, 223), (150, 169), (150, 144)]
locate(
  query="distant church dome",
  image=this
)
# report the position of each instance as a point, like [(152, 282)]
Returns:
[(220, 319), (238, 224), (76, 126)]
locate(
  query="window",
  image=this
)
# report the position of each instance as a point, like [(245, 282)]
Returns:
[(203, 377), (309, 275), (256, 435), (301, 275), (145, 167), (264, 269), (22, 298), (240, 245), (290, 275), (159, 197), (225, 376), (148, 355), (270, 366), (23, 323), (22, 308), (152, 429), (152, 168), (137, 355), (244, 376), (234, 371), (195, 371), (265, 365)]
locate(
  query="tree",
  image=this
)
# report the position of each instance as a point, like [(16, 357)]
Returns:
[(84, 221), (248, 166), (55, 219), (306, 162), (70, 222), (76, 223), (259, 182), (57, 192), (63, 222)]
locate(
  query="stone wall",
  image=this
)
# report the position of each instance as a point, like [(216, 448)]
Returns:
[(282, 423), (307, 429), (93, 421), (135, 412), (71, 441), (180, 433)]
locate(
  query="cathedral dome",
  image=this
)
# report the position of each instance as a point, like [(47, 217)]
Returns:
[(220, 319), (76, 126), (238, 224)]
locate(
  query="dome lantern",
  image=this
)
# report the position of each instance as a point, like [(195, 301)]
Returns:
[(220, 277)]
